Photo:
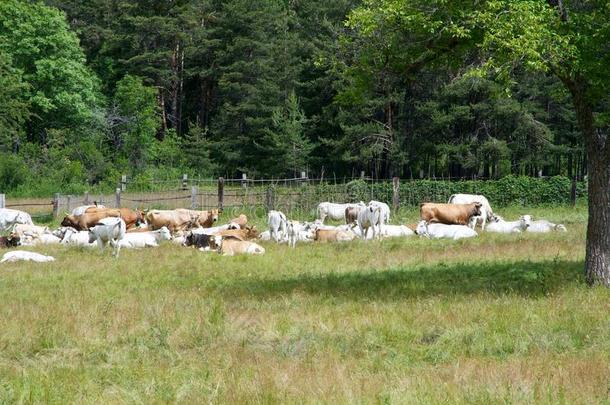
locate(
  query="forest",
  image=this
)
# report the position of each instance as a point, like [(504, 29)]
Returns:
[(92, 90)]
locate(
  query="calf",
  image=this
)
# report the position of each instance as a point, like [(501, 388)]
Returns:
[(333, 235), (499, 225), (203, 241), (458, 214), (108, 230), (438, 231), (370, 217), (230, 247), (22, 255), (298, 231), (10, 241)]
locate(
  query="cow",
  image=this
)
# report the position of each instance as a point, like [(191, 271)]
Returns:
[(22, 229), (33, 239), (241, 221), (138, 240), (72, 237), (180, 219), (85, 221), (230, 247), (390, 231), (248, 233), (277, 225), (486, 211), (438, 231), (203, 242), (334, 211), (385, 210), (297, 231), (10, 217), (333, 235), (450, 214), (215, 229), (87, 208), (499, 225), (370, 217), (351, 216), (10, 241), (544, 226), (22, 255), (108, 230)]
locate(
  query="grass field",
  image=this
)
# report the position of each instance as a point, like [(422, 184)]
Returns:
[(501, 318)]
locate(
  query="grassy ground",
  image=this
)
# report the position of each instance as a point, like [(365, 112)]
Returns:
[(501, 318)]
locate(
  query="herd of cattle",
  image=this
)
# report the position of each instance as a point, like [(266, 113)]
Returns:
[(96, 225)]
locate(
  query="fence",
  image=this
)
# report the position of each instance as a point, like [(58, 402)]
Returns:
[(302, 195)]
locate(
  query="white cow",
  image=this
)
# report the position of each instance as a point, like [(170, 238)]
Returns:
[(298, 231), (486, 211), (72, 237), (499, 225), (544, 226), (9, 217), (22, 255), (34, 239), (385, 210), (438, 231), (137, 240), (81, 210), (277, 225), (390, 231), (108, 230), (22, 229), (334, 211), (215, 229), (370, 217)]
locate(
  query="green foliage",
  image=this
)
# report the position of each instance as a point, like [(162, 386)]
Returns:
[(15, 107)]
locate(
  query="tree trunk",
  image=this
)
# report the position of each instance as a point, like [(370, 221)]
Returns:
[(597, 259)]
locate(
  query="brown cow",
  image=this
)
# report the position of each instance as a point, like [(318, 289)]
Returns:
[(458, 214), (204, 219), (248, 233), (241, 220), (230, 247), (180, 219), (333, 235), (351, 215), (88, 219)]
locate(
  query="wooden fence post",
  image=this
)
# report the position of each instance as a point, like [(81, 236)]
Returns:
[(221, 193), (185, 180), (56, 205), (396, 193), (86, 198), (193, 197), (68, 201), (269, 198), (362, 175), (303, 179), (117, 196), (2, 201), (123, 182), (244, 180)]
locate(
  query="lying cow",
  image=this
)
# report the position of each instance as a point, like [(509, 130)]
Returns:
[(181, 219), (248, 233), (450, 214), (231, 247), (499, 225), (72, 237), (438, 231), (241, 221), (215, 229), (22, 255), (277, 225), (86, 208), (392, 231), (34, 239), (333, 235), (10, 241), (203, 241), (486, 211), (139, 240), (83, 222), (108, 231), (370, 217), (334, 211), (544, 226), (10, 217), (22, 229)]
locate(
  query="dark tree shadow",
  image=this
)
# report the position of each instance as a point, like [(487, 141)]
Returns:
[(523, 278)]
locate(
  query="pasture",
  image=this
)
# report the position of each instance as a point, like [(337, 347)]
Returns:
[(498, 318)]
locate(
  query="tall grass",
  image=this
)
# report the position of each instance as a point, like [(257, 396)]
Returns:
[(501, 318)]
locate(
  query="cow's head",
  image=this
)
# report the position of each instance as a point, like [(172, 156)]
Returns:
[(13, 240), (251, 232), (477, 208), (214, 214), (70, 220), (525, 221), (422, 229)]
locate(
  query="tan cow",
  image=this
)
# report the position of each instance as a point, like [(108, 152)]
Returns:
[(204, 219), (180, 219), (458, 214), (90, 218), (333, 235), (230, 247), (241, 220), (248, 233)]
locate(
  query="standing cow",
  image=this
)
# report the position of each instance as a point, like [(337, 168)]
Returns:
[(457, 214), (277, 225), (370, 217), (486, 211), (334, 211), (108, 231), (9, 218)]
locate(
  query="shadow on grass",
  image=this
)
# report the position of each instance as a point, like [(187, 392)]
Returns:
[(523, 278)]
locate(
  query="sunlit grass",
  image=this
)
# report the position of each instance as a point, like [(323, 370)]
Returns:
[(500, 318)]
